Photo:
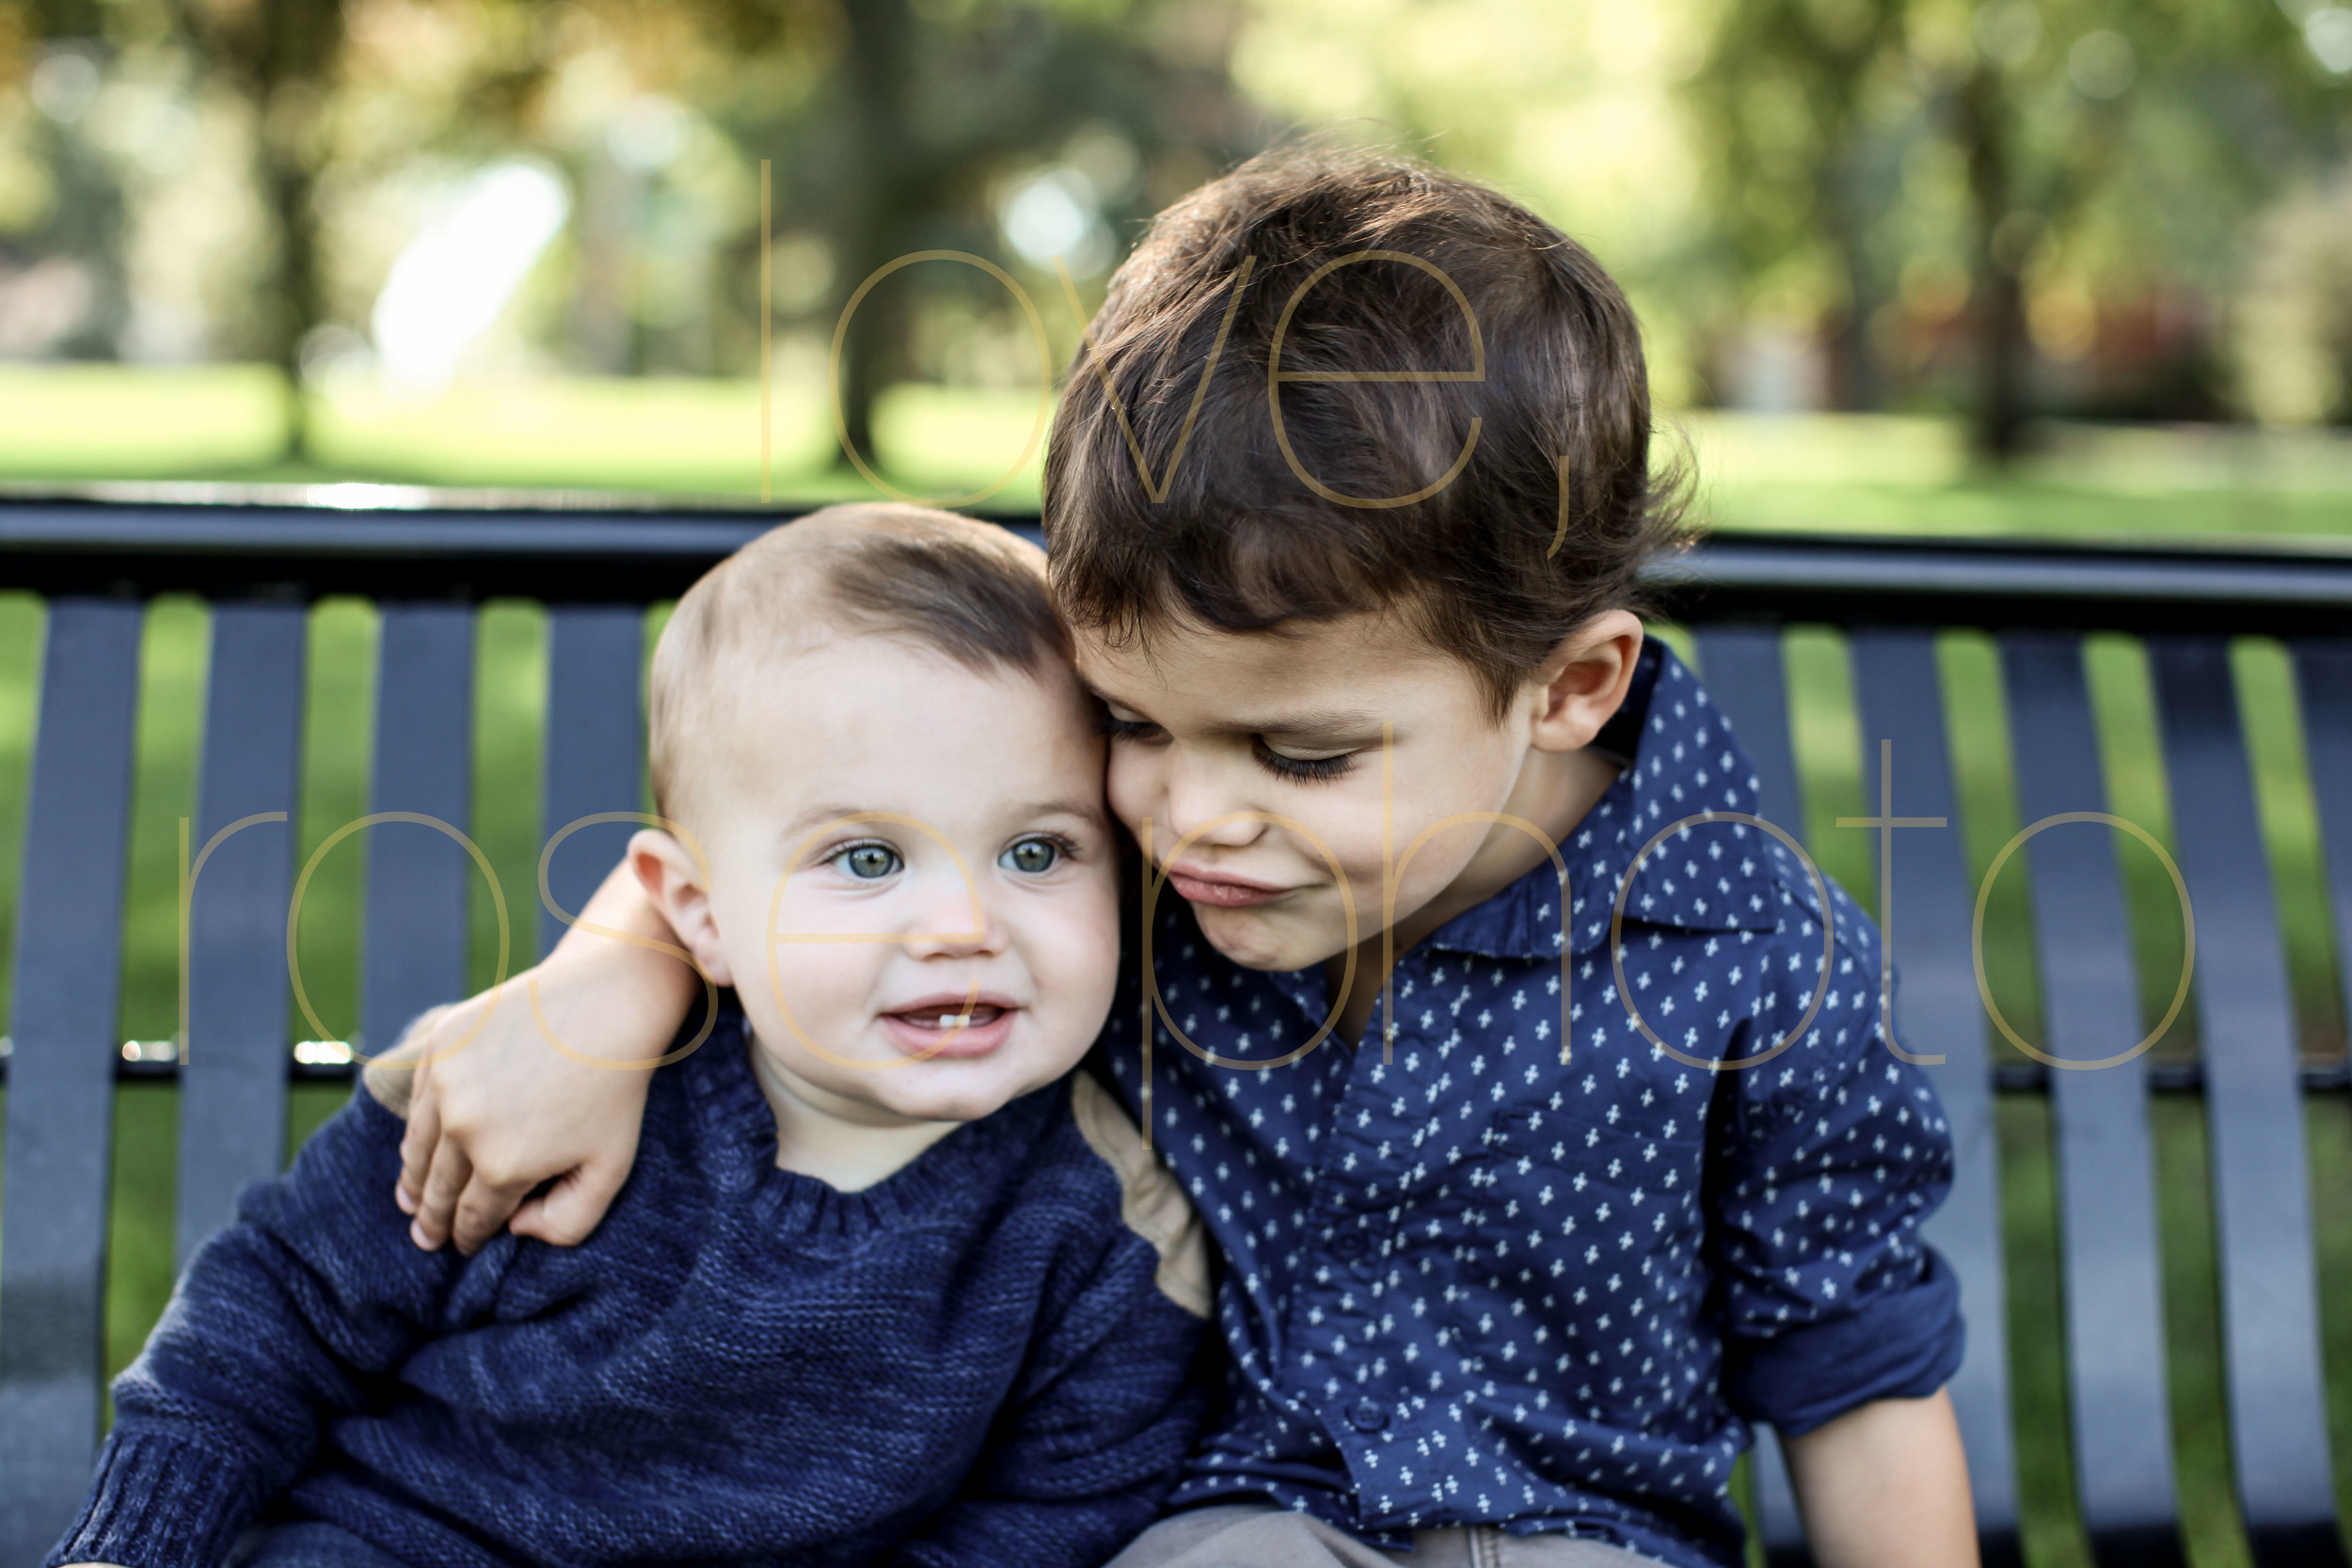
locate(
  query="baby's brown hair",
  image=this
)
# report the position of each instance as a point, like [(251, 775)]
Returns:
[(1498, 511), (965, 589)]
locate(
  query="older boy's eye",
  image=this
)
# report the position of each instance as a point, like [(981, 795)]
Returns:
[(869, 862), (1282, 765), (1117, 728), (1031, 855)]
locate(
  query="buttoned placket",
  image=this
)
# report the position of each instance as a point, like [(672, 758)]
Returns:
[(1331, 1320)]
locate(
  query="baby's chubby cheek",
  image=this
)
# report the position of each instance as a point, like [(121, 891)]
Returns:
[(801, 1007)]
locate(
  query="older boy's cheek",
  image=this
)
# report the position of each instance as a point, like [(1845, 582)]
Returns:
[(1132, 784)]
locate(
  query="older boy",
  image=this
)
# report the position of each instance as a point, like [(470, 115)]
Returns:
[(885, 1287), (1601, 1158)]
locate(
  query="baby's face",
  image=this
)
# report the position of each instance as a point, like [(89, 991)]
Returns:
[(913, 876)]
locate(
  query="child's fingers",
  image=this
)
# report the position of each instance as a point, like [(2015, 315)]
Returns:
[(444, 1182), (573, 1205), (482, 1211), (422, 1136)]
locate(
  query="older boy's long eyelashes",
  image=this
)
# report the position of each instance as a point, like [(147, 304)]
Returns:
[(1125, 729), (1295, 769), (1299, 769)]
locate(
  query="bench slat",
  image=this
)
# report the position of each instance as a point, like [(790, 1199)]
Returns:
[(61, 1118), (233, 1072), (2253, 1116), (413, 953), (2322, 670), (1899, 692), (2121, 1419), (595, 746), (1743, 672)]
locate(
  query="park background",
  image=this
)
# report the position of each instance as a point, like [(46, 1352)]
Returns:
[(2073, 268)]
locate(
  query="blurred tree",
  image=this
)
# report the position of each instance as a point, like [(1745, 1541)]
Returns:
[(1782, 97), (279, 57), (893, 126), (75, 233), (2120, 148), (930, 110)]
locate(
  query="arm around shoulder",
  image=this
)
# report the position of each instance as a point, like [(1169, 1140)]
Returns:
[(543, 1080)]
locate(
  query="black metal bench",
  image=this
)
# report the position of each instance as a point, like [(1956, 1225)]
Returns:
[(428, 568)]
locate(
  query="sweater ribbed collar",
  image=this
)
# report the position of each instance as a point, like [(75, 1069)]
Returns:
[(961, 1172)]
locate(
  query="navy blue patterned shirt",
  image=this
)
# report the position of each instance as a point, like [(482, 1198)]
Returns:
[(1470, 1281)]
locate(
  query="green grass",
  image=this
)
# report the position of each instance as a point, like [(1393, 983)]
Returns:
[(681, 438), (1888, 474), (1868, 473), (86, 424)]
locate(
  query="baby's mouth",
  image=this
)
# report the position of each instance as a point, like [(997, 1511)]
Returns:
[(978, 1016)]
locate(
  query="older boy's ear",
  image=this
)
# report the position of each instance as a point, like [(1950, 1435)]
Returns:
[(1584, 682), (677, 882)]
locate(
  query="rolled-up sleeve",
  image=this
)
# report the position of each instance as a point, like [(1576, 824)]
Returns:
[(1837, 1151)]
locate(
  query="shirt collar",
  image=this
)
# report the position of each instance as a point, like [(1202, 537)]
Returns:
[(1681, 760)]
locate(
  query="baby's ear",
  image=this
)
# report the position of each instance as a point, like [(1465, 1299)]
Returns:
[(677, 881)]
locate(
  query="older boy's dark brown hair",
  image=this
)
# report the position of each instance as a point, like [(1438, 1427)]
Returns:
[(1499, 504)]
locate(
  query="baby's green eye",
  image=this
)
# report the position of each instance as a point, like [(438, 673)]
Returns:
[(869, 863), (1031, 855)]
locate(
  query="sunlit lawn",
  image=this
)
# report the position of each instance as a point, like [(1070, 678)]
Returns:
[(688, 439), (1859, 473)]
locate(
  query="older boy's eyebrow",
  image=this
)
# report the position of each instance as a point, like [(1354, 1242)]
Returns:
[(1311, 721)]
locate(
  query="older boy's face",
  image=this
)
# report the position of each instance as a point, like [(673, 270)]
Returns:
[(1257, 760), (980, 887)]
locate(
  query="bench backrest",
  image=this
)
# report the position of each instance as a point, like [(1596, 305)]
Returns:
[(428, 571)]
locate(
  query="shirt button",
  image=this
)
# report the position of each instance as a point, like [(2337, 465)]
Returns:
[(1367, 1416), (1350, 1245)]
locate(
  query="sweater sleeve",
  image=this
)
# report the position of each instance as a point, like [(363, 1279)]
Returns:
[(282, 1321), (1112, 1397)]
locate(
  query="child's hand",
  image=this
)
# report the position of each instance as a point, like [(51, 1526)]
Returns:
[(491, 1122)]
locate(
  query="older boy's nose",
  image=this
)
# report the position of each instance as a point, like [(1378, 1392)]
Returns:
[(1203, 809)]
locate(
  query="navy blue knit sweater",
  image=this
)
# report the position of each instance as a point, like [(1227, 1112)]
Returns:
[(977, 1361)]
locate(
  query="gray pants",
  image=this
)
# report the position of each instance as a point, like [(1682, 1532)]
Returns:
[(1258, 1535)]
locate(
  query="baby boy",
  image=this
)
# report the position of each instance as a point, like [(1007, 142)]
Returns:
[(888, 1283)]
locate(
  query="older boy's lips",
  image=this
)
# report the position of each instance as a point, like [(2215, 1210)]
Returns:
[(1220, 890)]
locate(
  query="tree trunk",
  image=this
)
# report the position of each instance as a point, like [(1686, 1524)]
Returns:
[(280, 56), (1997, 302), (1853, 378), (873, 227), (289, 185)]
